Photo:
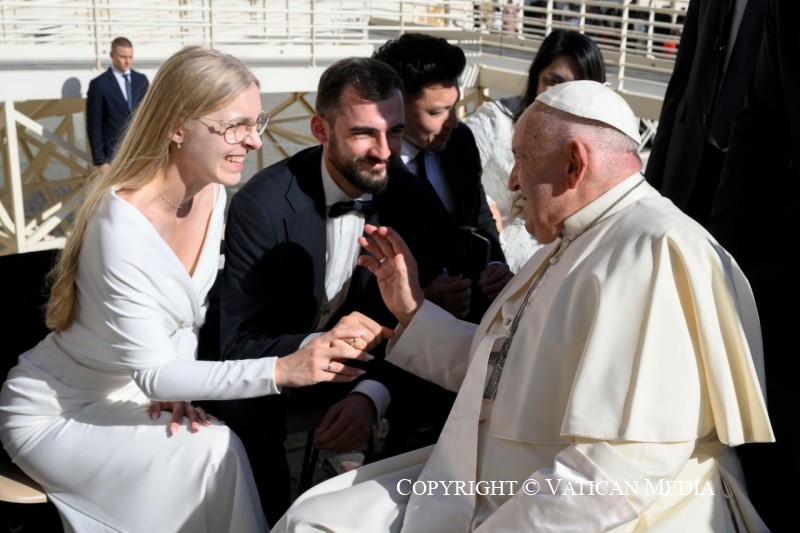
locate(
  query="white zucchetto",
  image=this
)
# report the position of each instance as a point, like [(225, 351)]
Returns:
[(593, 100)]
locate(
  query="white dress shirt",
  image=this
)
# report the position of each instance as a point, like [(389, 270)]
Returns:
[(434, 171), (341, 254), (119, 75)]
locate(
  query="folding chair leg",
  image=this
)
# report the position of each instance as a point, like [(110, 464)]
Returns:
[(369, 454), (310, 457)]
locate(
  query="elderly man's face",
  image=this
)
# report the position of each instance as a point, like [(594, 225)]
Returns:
[(540, 166)]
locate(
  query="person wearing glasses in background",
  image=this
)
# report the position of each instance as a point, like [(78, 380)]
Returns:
[(564, 55), (80, 411)]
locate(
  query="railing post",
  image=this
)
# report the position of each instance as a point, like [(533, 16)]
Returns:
[(95, 24), (651, 19), (211, 23), (313, 34), (623, 43), (14, 178)]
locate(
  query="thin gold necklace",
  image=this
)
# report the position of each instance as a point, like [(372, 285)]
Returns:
[(184, 205)]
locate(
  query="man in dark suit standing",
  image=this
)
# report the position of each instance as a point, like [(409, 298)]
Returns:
[(716, 58), (754, 216), (112, 97), (290, 262), (442, 152)]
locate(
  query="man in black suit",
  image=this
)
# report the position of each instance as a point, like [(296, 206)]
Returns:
[(290, 262), (716, 58), (442, 152), (754, 217), (112, 97)]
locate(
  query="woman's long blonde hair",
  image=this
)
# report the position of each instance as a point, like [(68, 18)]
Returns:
[(191, 83)]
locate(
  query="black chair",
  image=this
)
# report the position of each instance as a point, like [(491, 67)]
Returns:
[(24, 292)]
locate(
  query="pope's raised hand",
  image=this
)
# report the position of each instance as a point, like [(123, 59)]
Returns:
[(394, 266)]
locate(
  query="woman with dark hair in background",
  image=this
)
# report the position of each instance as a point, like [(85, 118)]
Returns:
[(564, 55)]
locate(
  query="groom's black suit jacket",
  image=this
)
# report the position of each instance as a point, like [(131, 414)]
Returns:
[(272, 290), (273, 282)]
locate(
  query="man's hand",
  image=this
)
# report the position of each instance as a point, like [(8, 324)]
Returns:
[(372, 332), (346, 425), (493, 278), (451, 293), (196, 415)]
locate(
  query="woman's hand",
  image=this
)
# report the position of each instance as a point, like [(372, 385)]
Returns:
[(323, 359), (396, 270), (196, 415)]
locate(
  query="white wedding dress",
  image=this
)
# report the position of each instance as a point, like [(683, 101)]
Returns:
[(73, 414)]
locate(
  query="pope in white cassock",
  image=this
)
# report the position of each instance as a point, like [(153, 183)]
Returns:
[(606, 385)]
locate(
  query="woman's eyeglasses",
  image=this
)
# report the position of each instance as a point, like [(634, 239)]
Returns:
[(236, 132)]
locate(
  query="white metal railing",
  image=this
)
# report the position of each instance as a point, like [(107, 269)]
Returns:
[(45, 164), (82, 29)]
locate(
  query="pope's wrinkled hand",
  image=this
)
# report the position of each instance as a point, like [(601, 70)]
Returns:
[(394, 266)]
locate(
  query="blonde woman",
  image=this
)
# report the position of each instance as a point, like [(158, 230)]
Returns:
[(80, 411)]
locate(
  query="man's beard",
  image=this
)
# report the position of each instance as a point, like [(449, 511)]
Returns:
[(372, 181)]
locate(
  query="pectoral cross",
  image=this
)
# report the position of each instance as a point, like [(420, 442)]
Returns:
[(497, 359)]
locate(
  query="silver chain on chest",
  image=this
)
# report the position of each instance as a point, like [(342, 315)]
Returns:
[(497, 358)]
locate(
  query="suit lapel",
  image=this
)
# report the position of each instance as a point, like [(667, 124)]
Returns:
[(452, 164), (306, 226), (136, 88), (116, 90)]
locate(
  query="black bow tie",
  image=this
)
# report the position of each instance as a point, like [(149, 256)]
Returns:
[(341, 208)]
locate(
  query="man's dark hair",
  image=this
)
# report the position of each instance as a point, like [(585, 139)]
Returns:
[(372, 80), (422, 60), (121, 41)]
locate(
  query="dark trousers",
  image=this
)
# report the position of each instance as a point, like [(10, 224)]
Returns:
[(417, 415)]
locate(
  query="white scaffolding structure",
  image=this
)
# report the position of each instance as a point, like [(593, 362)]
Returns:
[(51, 49)]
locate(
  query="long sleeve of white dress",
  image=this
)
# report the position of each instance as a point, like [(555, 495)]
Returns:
[(78, 398), (135, 295)]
